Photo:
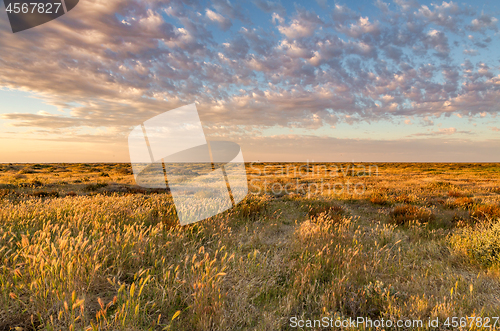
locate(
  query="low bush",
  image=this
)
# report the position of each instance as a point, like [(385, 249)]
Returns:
[(125, 171), (380, 199), (36, 183), (94, 187), (480, 243), (26, 171), (251, 207), (486, 212), (463, 202), (404, 198), (44, 194), (317, 208), (455, 194), (407, 213), (5, 192)]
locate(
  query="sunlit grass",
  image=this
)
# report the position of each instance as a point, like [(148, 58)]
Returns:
[(85, 251)]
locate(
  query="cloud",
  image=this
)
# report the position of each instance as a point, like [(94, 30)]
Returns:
[(223, 22), (361, 27), (303, 24), (237, 48), (226, 8), (471, 52), (427, 121), (270, 6), (484, 22), (447, 15), (257, 40), (383, 6), (278, 148), (406, 5), (439, 41), (342, 14), (42, 121), (297, 29), (278, 19), (441, 132), (302, 148)]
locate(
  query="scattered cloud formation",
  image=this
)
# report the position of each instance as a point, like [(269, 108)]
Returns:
[(223, 22), (484, 22), (270, 6), (109, 65)]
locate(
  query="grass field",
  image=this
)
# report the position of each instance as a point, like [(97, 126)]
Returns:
[(83, 248)]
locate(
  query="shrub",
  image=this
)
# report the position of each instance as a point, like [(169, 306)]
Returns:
[(455, 194), (26, 171), (136, 189), (5, 192), (441, 201), (407, 213), (125, 171), (94, 187), (36, 183), (44, 194), (464, 202), (404, 198), (486, 212), (41, 166), (377, 294), (481, 243), (380, 199), (460, 220), (324, 207), (32, 184), (251, 207), (440, 185), (115, 188)]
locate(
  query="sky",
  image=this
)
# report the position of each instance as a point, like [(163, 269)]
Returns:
[(363, 81)]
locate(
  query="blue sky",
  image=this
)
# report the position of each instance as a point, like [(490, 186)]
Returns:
[(401, 80)]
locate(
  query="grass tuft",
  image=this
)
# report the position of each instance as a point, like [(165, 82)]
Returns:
[(94, 187), (486, 212), (380, 199), (481, 243), (407, 213)]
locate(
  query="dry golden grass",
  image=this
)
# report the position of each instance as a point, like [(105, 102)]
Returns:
[(83, 248), (486, 212), (408, 213)]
